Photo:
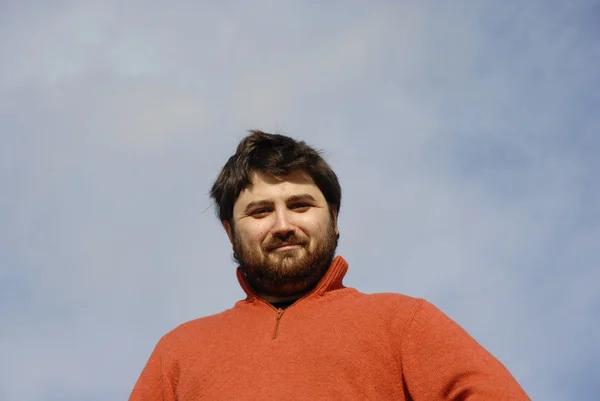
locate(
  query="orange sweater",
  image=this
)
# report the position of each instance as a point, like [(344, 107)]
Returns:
[(333, 344)]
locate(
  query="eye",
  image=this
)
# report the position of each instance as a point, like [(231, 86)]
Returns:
[(260, 212), (300, 207)]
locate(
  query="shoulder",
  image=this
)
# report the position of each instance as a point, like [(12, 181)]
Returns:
[(389, 300), (392, 305), (196, 330), (403, 309)]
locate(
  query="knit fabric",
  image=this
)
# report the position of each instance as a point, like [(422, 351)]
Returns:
[(333, 344)]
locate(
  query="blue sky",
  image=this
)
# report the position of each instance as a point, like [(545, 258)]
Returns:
[(465, 136)]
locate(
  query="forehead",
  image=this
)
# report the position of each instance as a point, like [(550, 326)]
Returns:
[(268, 187)]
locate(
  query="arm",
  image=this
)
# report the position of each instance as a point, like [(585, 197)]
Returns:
[(158, 380), (441, 361)]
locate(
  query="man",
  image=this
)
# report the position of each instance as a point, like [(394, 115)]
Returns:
[(300, 334)]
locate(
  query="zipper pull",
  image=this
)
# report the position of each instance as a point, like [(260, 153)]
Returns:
[(277, 319)]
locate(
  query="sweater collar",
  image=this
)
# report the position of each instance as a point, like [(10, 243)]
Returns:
[(332, 280)]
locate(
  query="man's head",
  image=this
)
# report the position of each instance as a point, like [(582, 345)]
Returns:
[(279, 200)]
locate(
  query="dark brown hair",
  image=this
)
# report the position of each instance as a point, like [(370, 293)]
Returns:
[(276, 155)]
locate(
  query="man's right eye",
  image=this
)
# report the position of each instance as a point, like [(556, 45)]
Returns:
[(259, 212)]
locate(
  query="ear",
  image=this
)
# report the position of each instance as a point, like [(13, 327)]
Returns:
[(335, 217), (228, 230)]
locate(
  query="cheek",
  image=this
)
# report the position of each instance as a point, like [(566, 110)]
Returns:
[(249, 234), (258, 234), (315, 228)]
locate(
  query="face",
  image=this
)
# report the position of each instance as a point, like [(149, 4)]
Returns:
[(284, 236)]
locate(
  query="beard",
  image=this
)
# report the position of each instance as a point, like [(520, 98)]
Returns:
[(284, 273)]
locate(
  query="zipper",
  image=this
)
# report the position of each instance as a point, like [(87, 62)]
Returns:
[(280, 311), (277, 319)]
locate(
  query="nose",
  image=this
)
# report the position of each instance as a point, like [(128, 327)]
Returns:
[(282, 227)]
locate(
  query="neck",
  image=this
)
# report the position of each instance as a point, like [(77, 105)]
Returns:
[(273, 300)]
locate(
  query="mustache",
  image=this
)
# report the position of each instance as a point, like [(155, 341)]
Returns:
[(292, 239)]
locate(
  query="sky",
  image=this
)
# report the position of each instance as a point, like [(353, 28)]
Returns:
[(465, 135)]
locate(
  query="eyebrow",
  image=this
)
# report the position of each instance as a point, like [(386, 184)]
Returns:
[(266, 202)]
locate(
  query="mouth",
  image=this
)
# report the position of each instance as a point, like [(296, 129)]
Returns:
[(286, 247)]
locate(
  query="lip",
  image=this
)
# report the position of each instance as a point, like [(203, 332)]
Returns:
[(286, 247)]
